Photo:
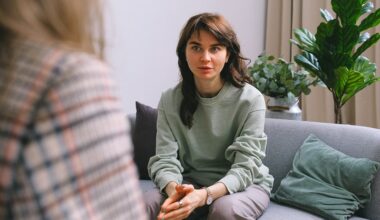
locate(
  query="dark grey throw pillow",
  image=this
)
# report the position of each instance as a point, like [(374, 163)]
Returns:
[(144, 137)]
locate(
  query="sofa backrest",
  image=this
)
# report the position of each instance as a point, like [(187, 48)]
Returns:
[(286, 136)]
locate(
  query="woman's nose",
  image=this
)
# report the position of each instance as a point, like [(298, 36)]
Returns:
[(205, 56)]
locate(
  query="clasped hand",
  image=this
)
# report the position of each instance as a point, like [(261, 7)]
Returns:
[(180, 204)]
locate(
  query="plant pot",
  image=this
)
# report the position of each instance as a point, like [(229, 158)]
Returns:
[(283, 108)]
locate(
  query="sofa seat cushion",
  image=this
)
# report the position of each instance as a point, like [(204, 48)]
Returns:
[(282, 212), (146, 185)]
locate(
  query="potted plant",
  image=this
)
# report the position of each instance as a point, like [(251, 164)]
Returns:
[(333, 54), (281, 81)]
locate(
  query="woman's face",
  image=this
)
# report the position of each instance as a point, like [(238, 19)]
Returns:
[(205, 56)]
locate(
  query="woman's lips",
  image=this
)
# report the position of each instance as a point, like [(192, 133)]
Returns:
[(205, 69)]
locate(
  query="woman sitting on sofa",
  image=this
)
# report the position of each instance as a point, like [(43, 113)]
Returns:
[(210, 132)]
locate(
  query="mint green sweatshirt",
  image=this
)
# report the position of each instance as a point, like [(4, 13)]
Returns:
[(226, 143)]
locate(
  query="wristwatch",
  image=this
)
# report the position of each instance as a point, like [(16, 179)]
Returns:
[(209, 199)]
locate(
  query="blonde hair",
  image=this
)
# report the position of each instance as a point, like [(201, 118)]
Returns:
[(76, 24), (69, 24)]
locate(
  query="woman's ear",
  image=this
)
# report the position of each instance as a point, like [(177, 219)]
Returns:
[(227, 57)]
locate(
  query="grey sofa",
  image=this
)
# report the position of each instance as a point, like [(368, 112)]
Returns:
[(286, 136)]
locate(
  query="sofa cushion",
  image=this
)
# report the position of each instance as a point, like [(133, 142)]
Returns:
[(144, 137), (326, 182), (278, 211)]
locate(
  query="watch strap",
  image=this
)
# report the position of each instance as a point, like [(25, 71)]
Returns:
[(209, 198)]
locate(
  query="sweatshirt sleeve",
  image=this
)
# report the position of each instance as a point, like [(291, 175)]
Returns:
[(164, 166), (247, 150)]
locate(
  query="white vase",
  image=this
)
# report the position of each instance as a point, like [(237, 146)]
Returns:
[(283, 108)]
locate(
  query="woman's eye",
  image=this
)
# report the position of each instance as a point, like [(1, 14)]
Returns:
[(196, 48), (215, 49)]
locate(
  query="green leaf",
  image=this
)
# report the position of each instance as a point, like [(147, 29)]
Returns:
[(349, 83), (348, 37), (273, 85), (326, 15), (364, 66), (256, 76), (292, 41), (326, 36), (354, 81), (358, 87), (307, 90), (262, 81), (367, 7), (261, 87), (281, 90), (363, 37), (348, 11), (371, 20), (306, 40), (342, 74), (367, 44), (309, 62)]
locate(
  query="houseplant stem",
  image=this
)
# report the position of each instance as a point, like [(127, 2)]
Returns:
[(337, 112)]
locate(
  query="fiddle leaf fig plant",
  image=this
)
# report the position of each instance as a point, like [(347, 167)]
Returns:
[(334, 53), (278, 78)]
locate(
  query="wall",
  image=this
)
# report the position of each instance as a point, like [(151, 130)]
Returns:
[(142, 37)]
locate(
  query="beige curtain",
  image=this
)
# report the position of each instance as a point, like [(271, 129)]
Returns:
[(285, 15)]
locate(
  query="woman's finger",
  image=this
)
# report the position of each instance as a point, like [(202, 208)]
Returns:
[(173, 198), (184, 189), (180, 213), (188, 188)]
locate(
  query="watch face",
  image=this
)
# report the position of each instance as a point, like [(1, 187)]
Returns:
[(209, 200)]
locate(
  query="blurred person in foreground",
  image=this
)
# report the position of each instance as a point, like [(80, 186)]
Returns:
[(65, 153)]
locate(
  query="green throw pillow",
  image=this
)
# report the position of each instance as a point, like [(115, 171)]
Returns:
[(326, 182)]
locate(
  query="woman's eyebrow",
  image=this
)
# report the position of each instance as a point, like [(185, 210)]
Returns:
[(194, 42), (213, 45), (218, 45)]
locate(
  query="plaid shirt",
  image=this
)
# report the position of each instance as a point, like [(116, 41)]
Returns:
[(65, 153)]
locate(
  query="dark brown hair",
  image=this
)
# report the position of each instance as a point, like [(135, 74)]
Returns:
[(234, 70)]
